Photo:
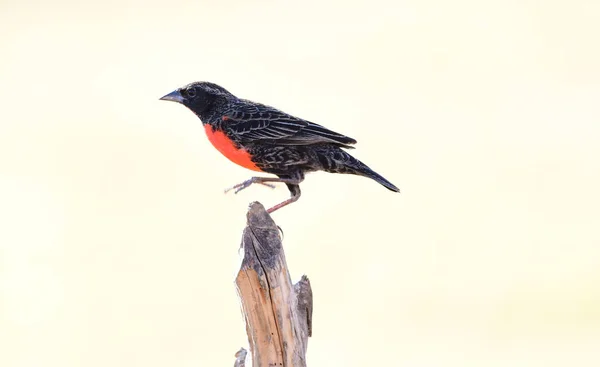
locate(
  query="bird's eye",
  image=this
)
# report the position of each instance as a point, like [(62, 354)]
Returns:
[(191, 92)]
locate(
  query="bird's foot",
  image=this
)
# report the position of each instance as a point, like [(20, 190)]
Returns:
[(239, 187)]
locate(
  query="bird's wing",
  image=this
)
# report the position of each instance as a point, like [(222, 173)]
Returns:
[(254, 121)]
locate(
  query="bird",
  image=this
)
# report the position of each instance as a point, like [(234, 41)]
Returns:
[(264, 139)]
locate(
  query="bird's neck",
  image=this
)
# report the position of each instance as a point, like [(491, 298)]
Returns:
[(212, 114)]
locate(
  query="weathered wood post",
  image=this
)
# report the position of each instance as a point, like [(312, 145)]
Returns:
[(278, 314)]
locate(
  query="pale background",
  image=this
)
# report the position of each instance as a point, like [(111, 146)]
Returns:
[(118, 247)]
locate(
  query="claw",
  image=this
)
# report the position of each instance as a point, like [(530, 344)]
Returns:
[(239, 187)]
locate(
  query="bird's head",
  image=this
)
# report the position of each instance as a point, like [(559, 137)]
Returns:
[(198, 96)]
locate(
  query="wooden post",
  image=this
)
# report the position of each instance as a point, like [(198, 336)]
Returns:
[(278, 314)]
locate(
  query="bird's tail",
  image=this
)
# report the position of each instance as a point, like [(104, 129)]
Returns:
[(343, 162), (379, 178)]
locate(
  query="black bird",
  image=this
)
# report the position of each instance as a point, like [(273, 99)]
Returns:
[(265, 139)]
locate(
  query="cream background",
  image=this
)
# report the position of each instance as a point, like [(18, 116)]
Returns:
[(118, 248)]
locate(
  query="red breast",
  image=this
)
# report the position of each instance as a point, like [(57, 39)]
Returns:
[(226, 146)]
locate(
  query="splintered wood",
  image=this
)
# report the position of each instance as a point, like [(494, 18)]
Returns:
[(278, 313)]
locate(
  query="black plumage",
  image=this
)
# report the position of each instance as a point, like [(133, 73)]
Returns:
[(276, 142)]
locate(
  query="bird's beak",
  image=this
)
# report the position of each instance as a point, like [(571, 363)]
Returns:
[(174, 96)]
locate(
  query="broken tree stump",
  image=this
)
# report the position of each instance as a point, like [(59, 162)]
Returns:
[(278, 314)]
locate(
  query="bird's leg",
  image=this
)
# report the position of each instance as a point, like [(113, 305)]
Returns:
[(295, 191), (292, 182), (263, 181)]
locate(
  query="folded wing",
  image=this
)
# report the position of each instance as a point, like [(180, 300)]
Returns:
[(255, 121)]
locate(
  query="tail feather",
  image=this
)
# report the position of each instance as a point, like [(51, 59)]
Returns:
[(349, 164), (379, 178)]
